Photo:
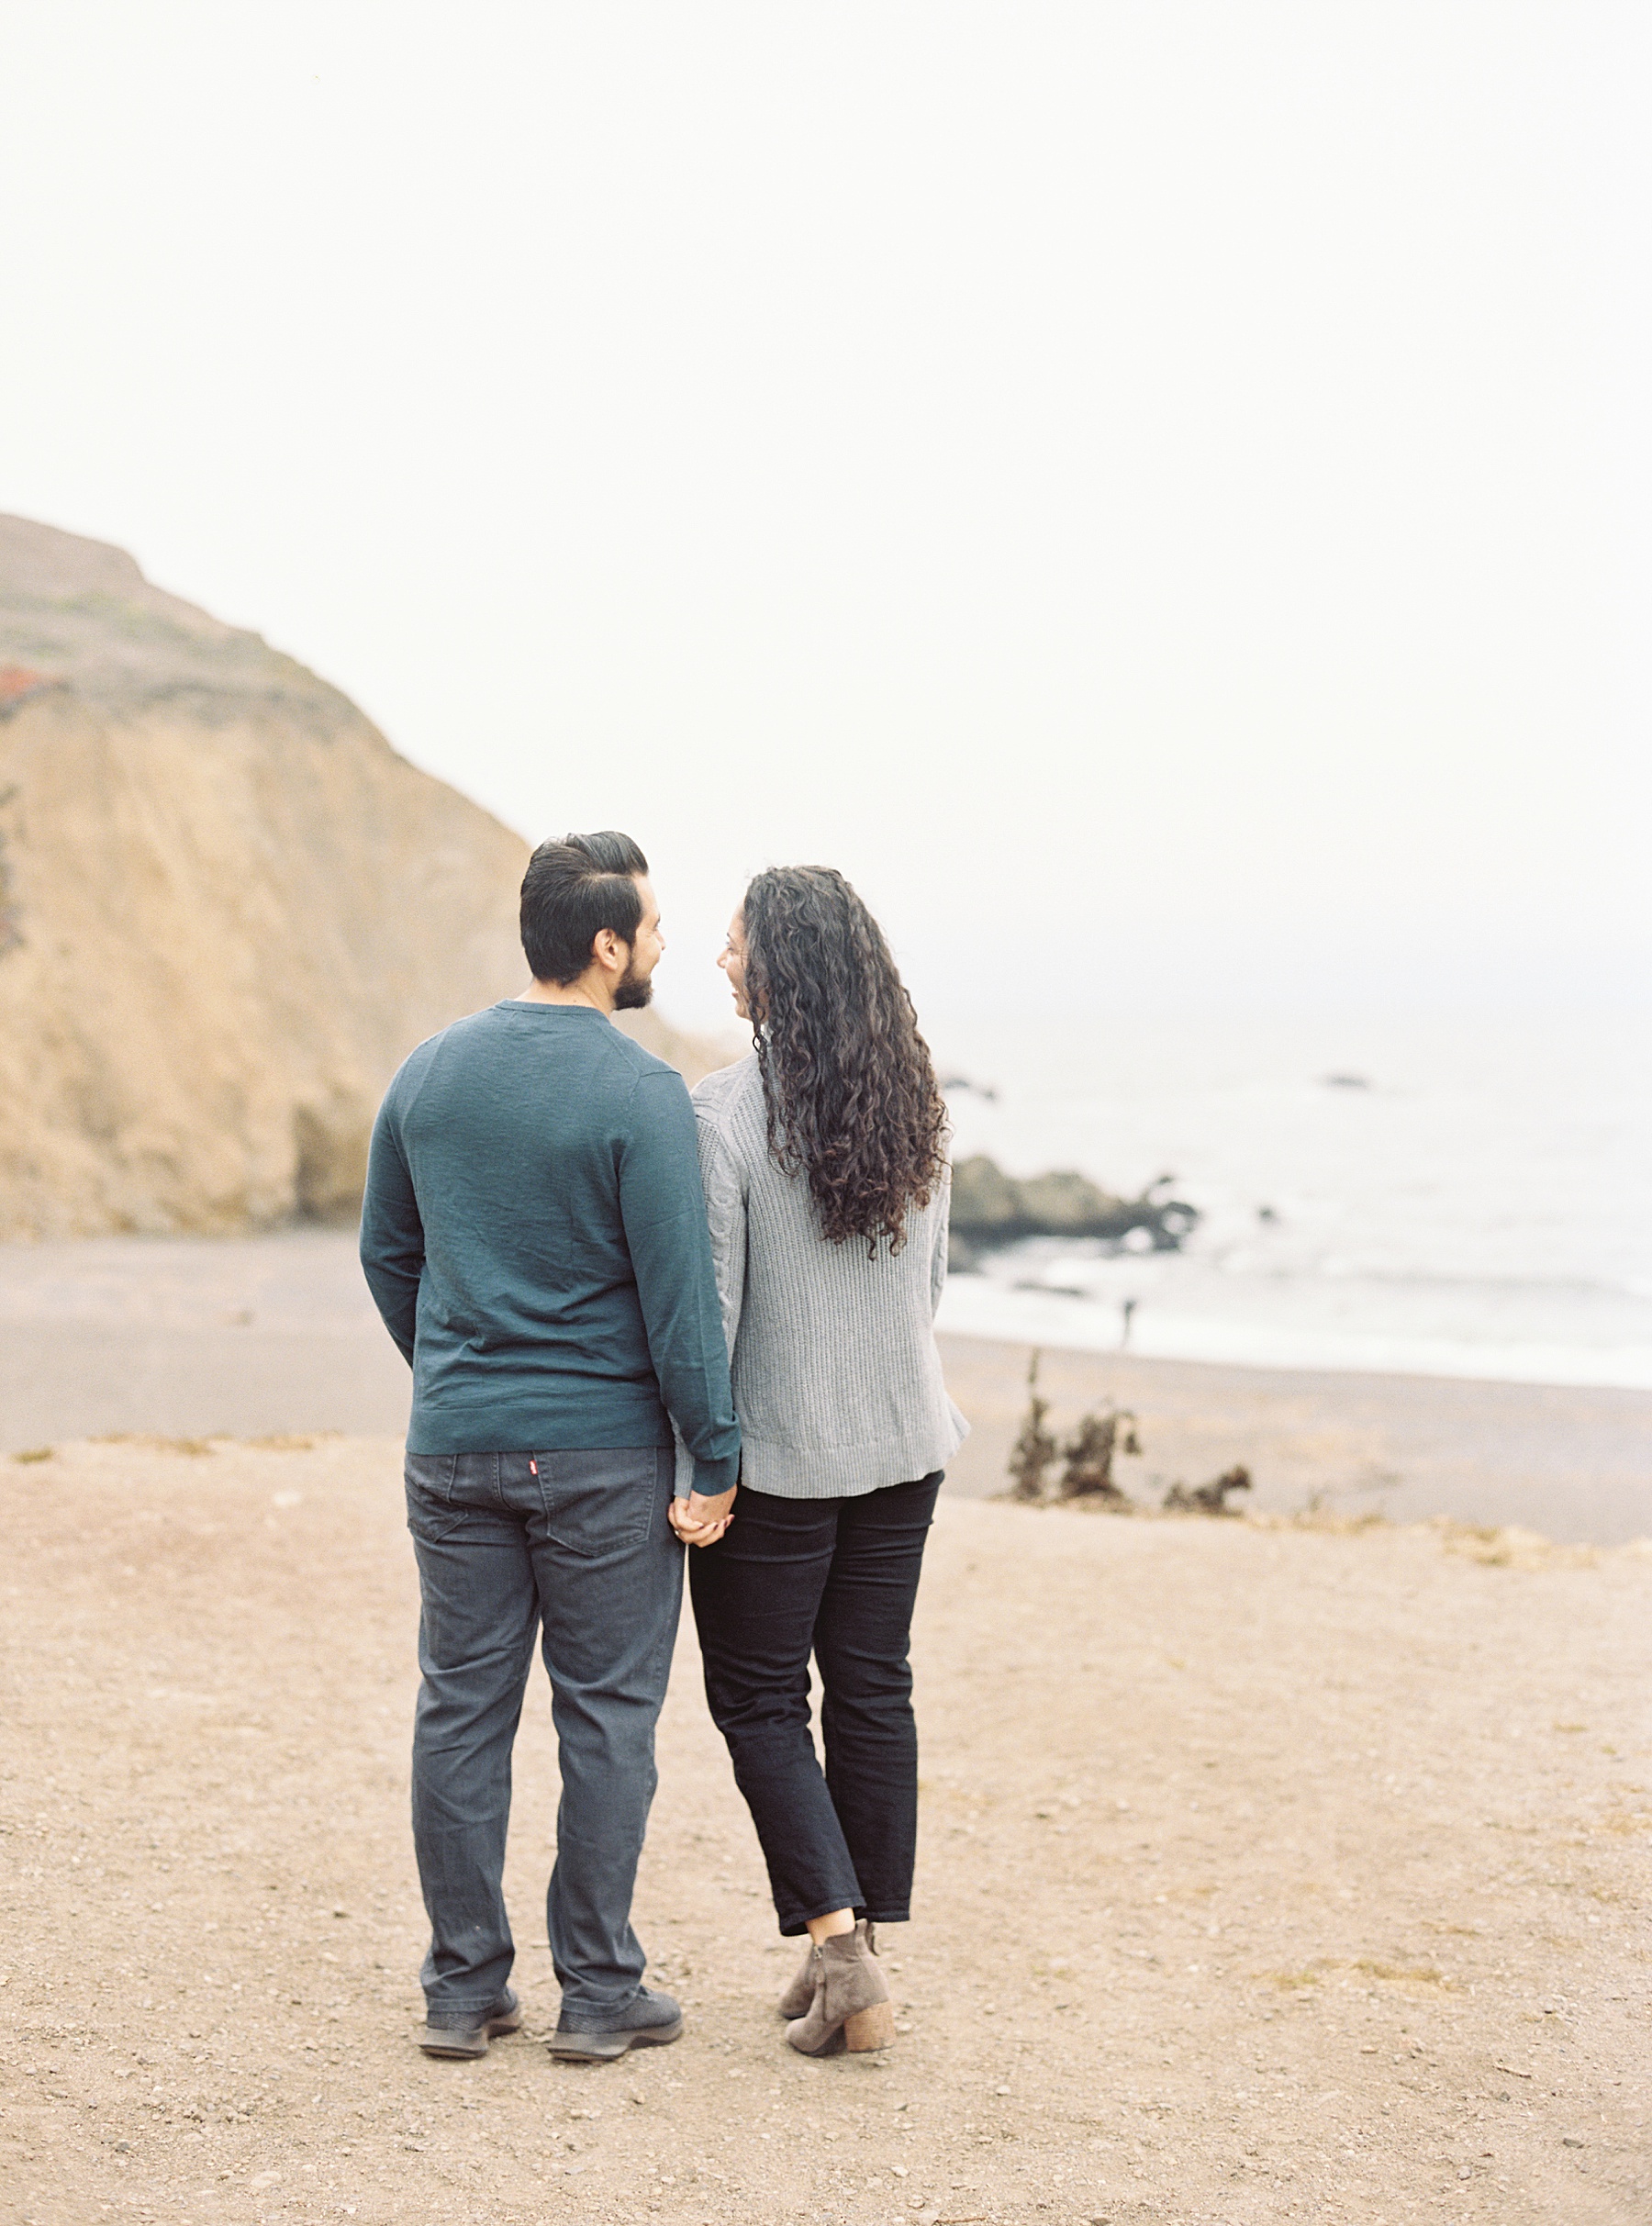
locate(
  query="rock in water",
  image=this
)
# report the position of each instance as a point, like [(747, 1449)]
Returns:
[(228, 911), (990, 1209)]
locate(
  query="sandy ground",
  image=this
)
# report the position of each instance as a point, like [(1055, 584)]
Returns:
[(258, 1334), (1574, 1464), (192, 1334), (1266, 1874)]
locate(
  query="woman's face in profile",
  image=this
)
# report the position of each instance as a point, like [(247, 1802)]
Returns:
[(732, 962)]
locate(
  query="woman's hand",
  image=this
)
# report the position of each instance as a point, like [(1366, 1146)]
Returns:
[(699, 1521)]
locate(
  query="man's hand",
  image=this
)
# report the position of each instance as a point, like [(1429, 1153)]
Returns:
[(698, 1521)]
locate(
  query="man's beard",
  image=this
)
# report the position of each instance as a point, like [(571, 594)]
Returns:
[(632, 991)]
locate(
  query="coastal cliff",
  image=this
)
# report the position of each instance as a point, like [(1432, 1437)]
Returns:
[(227, 910)]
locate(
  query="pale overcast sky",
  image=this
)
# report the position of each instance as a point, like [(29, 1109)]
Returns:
[(1157, 493)]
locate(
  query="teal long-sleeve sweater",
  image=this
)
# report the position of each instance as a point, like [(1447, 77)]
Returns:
[(535, 1235)]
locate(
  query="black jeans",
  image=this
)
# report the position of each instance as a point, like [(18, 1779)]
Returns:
[(837, 1577)]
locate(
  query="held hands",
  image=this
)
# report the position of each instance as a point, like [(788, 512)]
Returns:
[(698, 1521)]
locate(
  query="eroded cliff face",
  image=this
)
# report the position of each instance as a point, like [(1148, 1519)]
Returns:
[(228, 911)]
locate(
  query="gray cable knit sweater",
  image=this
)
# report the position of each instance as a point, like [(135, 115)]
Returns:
[(837, 1380)]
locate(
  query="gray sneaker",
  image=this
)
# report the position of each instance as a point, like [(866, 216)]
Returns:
[(462, 2032), (653, 2020)]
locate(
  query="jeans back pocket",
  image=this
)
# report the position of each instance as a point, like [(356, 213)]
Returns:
[(604, 1502), (429, 1479)]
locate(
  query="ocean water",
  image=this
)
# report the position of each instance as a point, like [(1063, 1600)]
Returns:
[(1481, 1206)]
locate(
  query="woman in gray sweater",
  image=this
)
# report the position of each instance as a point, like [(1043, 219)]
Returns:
[(824, 1164)]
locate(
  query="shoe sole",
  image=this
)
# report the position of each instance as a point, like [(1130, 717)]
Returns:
[(605, 2047), (434, 2042)]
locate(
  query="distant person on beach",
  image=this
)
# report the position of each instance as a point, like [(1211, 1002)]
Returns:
[(535, 1239), (824, 1165)]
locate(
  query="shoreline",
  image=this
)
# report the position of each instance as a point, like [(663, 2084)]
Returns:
[(976, 1305)]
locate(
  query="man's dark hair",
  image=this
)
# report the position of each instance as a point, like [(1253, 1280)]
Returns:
[(571, 891)]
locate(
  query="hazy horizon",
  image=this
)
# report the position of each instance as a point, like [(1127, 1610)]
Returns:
[(1158, 498)]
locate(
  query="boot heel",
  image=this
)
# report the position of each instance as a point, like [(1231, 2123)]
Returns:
[(849, 2005), (873, 2027)]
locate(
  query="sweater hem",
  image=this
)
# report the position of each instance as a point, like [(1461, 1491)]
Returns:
[(496, 1432), (843, 1473)]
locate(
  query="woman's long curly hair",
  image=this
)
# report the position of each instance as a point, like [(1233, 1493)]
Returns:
[(847, 1081)]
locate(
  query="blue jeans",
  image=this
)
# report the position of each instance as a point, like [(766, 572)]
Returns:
[(577, 1547)]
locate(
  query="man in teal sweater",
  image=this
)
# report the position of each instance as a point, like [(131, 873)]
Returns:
[(535, 1235)]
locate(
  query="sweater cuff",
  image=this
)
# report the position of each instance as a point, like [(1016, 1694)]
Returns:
[(710, 1477)]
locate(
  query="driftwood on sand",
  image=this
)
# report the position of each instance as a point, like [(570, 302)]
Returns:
[(1208, 1499), (1034, 1452), (1087, 1481), (1090, 1453)]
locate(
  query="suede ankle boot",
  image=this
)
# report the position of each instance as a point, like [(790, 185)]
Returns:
[(794, 2001), (851, 2007)]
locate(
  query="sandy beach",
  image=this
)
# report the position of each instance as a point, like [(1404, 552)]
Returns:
[(1574, 1464), (1089, 552), (263, 1335), (1267, 1872)]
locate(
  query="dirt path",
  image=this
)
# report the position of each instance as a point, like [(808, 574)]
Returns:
[(1266, 1874)]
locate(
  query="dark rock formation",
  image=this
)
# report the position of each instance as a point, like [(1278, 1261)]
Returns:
[(990, 1209)]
